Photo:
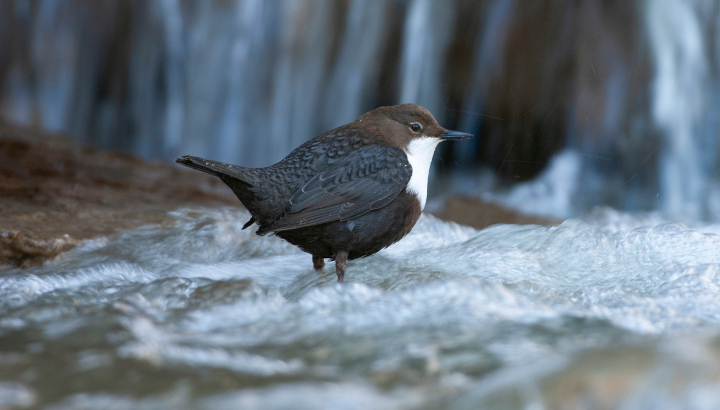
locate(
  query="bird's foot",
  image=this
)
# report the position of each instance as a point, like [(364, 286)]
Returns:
[(318, 263), (340, 265)]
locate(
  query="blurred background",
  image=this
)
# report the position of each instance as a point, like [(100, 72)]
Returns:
[(574, 104)]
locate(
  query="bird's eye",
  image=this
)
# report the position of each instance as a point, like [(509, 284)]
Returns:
[(415, 127)]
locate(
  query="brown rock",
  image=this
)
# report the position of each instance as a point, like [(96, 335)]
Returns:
[(480, 214), (56, 192)]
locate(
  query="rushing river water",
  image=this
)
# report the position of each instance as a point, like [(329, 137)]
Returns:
[(613, 311)]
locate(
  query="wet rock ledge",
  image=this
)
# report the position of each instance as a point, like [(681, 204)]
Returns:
[(56, 192)]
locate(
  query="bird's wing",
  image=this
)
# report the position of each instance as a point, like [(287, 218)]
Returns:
[(365, 180)]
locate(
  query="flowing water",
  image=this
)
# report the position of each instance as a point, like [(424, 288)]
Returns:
[(611, 311)]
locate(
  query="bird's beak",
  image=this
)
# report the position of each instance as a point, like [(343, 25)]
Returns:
[(454, 135)]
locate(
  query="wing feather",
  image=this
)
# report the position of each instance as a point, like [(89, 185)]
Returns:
[(367, 179)]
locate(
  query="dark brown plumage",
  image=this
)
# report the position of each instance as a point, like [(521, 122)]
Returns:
[(347, 193)]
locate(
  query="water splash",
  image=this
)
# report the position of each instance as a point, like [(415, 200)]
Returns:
[(440, 314)]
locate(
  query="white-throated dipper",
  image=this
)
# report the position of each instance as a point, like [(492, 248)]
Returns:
[(347, 193)]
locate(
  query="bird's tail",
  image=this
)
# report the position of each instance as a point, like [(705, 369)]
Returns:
[(214, 167), (237, 178)]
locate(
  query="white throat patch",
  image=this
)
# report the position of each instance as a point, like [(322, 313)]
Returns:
[(419, 153)]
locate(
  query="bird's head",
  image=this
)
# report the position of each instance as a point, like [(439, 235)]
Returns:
[(409, 127)]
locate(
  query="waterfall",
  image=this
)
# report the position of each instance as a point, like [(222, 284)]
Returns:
[(630, 91), (682, 91)]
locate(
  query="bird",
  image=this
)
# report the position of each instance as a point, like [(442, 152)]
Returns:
[(347, 193)]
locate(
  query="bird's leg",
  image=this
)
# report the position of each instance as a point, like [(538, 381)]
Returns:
[(340, 264), (318, 262)]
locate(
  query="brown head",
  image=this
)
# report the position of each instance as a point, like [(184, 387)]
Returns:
[(401, 124)]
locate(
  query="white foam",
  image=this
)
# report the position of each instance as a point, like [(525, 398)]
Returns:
[(205, 296)]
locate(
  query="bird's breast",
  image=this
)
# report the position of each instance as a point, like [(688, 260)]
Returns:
[(419, 154)]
